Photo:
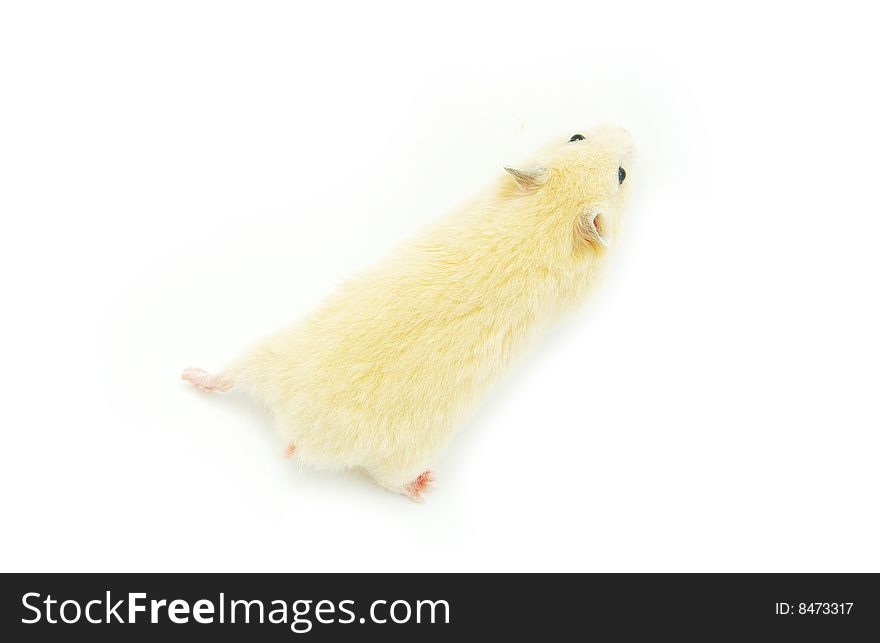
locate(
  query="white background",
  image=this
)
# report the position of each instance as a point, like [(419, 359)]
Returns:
[(179, 178)]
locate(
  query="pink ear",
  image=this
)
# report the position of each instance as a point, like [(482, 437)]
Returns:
[(529, 180), (590, 227)]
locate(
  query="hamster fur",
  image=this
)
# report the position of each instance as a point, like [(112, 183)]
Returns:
[(382, 374)]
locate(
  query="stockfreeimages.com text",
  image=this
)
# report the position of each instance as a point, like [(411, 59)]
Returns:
[(300, 615)]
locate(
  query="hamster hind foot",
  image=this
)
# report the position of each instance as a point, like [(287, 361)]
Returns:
[(422, 483), (413, 490), (207, 382)]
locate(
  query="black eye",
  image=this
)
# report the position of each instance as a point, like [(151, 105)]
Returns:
[(621, 174), (576, 137)]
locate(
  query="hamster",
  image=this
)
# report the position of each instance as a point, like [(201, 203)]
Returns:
[(384, 372)]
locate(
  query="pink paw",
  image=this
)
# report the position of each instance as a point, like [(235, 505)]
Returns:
[(421, 484), (290, 451), (204, 381)]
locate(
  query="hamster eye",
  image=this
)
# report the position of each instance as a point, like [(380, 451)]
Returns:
[(576, 137), (621, 175)]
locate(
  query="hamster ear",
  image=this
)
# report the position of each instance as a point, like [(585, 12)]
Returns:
[(529, 180), (590, 228)]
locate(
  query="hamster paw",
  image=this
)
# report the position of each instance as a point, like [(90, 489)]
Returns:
[(289, 451), (421, 484), (205, 381), (412, 490)]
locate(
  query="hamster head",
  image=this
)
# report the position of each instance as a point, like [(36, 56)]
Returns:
[(578, 187)]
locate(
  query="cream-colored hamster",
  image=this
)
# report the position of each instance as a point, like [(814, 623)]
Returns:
[(383, 373)]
